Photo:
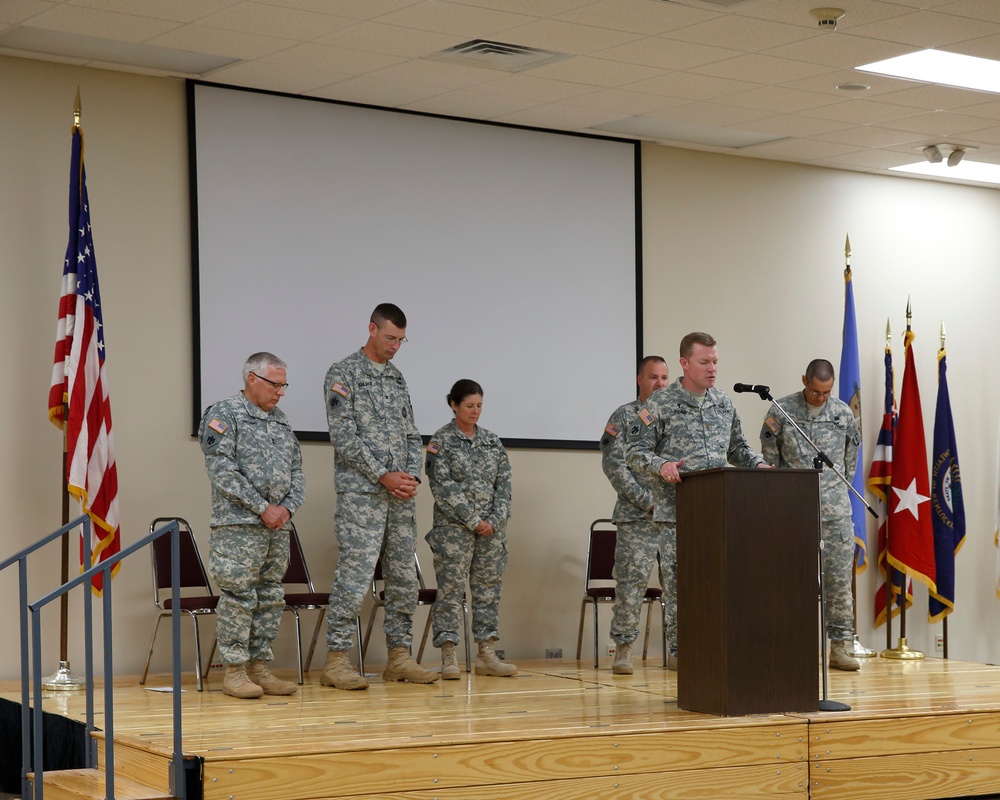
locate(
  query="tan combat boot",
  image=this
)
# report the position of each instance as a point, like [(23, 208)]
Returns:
[(488, 663), (339, 673), (623, 660), (449, 663), (840, 658), (237, 684), (258, 672), (402, 667)]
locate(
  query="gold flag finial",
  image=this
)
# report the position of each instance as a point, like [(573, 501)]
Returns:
[(888, 334), (76, 109), (909, 313), (847, 251), (943, 334)]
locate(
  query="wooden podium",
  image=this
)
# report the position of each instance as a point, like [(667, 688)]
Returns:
[(748, 591)]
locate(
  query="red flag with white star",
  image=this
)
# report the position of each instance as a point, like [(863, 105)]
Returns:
[(911, 535)]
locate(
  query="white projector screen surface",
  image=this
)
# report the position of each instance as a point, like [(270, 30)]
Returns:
[(512, 252)]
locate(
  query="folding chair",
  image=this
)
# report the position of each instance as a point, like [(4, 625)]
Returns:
[(425, 597), (192, 577), (600, 587), (297, 574)]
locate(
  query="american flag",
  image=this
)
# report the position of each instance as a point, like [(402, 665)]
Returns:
[(79, 378)]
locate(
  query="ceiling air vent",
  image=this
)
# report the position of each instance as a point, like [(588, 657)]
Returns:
[(497, 55)]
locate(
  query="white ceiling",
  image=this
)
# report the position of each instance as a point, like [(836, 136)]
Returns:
[(703, 74)]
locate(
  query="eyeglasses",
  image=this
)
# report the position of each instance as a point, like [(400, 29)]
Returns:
[(273, 383), (393, 339)]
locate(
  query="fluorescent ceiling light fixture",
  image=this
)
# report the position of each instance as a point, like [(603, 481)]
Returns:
[(937, 66), (109, 51), (975, 171)]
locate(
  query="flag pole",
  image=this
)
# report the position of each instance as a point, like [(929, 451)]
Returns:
[(63, 678), (888, 566), (901, 651), (944, 622)]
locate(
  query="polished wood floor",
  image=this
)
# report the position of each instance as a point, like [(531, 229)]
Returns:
[(916, 730)]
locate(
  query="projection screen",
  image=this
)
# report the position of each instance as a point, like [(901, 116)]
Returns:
[(514, 252)]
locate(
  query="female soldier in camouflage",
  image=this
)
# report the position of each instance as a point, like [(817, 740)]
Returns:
[(469, 476)]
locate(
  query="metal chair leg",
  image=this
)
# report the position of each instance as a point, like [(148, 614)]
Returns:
[(197, 652), (423, 639), (595, 634), (298, 641), (645, 641), (579, 638), (149, 655), (315, 637), (361, 650), (467, 636)]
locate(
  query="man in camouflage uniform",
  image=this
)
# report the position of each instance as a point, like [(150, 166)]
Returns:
[(255, 466), (377, 454), (640, 540), (691, 425), (830, 423), (470, 477)]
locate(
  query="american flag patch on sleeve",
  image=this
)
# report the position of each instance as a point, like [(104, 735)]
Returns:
[(612, 429), (340, 389), (218, 425), (646, 417), (433, 448)]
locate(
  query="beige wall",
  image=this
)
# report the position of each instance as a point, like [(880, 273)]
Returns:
[(728, 242)]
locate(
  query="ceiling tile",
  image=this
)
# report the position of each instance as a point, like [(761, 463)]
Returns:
[(437, 73), (333, 59), (567, 37), (928, 29), (375, 92), (655, 51), (462, 20), (624, 101), (101, 24), (779, 99), (175, 10), (638, 17), (471, 105), (272, 21), (13, 12), (693, 87), (375, 37), (747, 35), (234, 44), (761, 69), (273, 77), (596, 72), (942, 124)]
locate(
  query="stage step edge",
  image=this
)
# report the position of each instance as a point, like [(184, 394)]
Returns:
[(88, 784)]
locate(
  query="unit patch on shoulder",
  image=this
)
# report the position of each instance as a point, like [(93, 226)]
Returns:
[(433, 448), (340, 389), (772, 423), (612, 429), (218, 425), (646, 417)]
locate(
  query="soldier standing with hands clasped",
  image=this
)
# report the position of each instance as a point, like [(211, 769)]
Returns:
[(255, 466)]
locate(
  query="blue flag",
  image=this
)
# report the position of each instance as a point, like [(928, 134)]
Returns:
[(850, 393), (948, 518)]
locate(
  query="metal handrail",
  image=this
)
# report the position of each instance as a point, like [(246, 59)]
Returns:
[(178, 786)]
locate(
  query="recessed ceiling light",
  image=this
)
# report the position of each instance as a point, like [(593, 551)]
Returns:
[(938, 66), (974, 171)]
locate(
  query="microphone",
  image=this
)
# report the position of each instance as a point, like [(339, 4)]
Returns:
[(756, 388)]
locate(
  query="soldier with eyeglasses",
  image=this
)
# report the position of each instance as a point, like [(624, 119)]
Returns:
[(255, 466), (377, 462)]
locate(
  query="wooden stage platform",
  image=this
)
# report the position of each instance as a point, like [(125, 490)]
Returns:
[(561, 731)]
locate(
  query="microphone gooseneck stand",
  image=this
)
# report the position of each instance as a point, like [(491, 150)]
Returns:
[(819, 461)]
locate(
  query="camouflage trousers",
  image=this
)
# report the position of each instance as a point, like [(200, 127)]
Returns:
[(637, 547), (247, 563), (369, 526), (460, 555), (838, 565)]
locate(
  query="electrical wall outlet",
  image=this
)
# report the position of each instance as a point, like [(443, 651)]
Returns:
[(216, 665), (610, 653), (553, 652), (938, 642)]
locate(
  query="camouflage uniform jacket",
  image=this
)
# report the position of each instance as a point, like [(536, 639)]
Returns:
[(672, 426), (470, 478), (371, 423), (835, 432), (252, 458), (635, 490)]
